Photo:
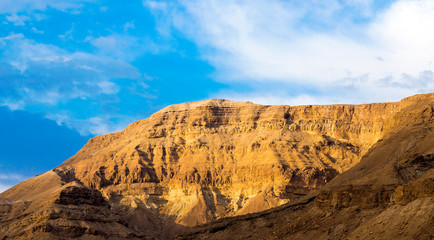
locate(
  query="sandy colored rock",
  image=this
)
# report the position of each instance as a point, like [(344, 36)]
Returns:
[(195, 163), (389, 194)]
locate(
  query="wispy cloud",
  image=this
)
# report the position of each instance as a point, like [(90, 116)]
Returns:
[(7, 180), (47, 74), (10, 37), (4, 187), (320, 44), (14, 6), (125, 47), (129, 25), (155, 5), (35, 30), (36, 74), (94, 125), (68, 35), (17, 20), (11, 176)]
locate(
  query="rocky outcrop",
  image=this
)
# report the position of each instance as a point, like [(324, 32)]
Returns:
[(195, 163), (73, 195), (69, 212)]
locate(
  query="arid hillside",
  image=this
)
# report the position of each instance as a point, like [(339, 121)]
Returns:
[(197, 163)]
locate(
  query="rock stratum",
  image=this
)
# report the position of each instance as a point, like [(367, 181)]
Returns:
[(212, 162)]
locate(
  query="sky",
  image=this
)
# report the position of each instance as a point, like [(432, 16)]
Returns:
[(74, 69)]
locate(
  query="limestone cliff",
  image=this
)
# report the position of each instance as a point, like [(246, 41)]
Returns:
[(193, 163), (389, 194)]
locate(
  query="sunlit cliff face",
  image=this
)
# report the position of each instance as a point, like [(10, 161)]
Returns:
[(216, 158), (193, 163)]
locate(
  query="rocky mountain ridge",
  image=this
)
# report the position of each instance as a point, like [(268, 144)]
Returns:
[(389, 194), (195, 163)]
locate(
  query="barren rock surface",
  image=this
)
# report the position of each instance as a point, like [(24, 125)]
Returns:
[(195, 163)]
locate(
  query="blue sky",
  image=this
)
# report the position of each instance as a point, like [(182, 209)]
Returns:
[(73, 69)]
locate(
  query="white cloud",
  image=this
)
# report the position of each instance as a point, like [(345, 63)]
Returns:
[(11, 176), (17, 20), (46, 74), (10, 37), (96, 125), (35, 30), (155, 5), (319, 44), (119, 46), (13, 104)]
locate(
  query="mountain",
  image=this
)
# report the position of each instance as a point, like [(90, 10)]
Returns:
[(389, 194), (200, 163)]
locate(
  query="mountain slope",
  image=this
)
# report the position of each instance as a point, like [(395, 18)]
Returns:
[(194, 163)]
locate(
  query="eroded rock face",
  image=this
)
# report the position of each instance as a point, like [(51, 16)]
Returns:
[(203, 161), (389, 194), (193, 163)]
